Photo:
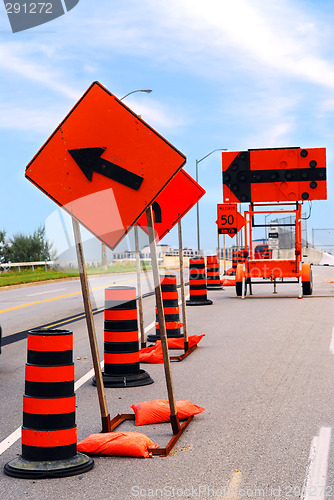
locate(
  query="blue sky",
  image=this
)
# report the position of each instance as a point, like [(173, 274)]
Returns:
[(225, 74)]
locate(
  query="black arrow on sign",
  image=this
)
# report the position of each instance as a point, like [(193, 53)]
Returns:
[(238, 177), (89, 160)]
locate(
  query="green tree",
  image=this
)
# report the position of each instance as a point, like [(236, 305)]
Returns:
[(32, 248), (3, 247)]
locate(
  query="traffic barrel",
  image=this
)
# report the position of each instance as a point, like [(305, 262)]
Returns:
[(212, 275), (121, 343), (242, 255), (49, 433), (235, 259), (170, 302), (197, 283)]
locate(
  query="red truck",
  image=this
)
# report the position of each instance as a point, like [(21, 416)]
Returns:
[(262, 252)]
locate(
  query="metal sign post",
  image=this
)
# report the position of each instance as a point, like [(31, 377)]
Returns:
[(91, 328)]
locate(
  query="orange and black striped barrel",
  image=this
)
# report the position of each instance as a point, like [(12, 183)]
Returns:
[(49, 431), (170, 302), (235, 259), (121, 344), (241, 256), (212, 274), (197, 283)]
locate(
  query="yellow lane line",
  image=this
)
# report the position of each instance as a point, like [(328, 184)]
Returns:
[(74, 318), (59, 297)]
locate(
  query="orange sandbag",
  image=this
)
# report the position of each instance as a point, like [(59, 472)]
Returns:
[(228, 282), (174, 343), (125, 444), (158, 410), (151, 354)]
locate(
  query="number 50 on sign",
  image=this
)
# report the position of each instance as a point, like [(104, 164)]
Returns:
[(229, 220)]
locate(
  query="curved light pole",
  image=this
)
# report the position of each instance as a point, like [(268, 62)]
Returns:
[(148, 91), (197, 162)]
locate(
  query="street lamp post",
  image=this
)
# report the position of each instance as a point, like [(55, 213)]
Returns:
[(148, 91), (197, 162)]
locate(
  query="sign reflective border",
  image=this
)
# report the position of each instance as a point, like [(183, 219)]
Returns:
[(104, 165), (178, 197)]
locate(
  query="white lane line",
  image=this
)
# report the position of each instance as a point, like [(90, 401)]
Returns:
[(42, 293), (315, 482), (331, 346), (7, 443)]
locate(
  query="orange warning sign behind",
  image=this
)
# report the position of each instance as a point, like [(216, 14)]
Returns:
[(104, 165), (274, 175), (178, 197)]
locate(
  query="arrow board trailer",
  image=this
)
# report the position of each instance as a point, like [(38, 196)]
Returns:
[(269, 270), (274, 175), (104, 165)]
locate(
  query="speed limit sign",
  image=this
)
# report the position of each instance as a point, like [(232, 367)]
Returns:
[(229, 220)]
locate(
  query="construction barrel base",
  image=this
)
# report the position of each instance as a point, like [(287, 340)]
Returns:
[(22, 468), (206, 302), (153, 338), (126, 380)]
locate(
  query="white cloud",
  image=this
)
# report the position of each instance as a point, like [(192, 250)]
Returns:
[(277, 35), (36, 120), (18, 59), (156, 114)]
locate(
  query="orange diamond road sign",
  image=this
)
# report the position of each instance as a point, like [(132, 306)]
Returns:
[(104, 165), (279, 174), (178, 197), (229, 221)]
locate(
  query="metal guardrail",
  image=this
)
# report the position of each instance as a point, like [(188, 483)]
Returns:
[(7, 265), (45, 263)]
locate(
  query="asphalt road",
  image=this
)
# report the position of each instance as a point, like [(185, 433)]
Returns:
[(26, 307), (264, 373)]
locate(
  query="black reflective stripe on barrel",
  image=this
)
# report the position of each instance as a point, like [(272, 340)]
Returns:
[(126, 369), (47, 453), (52, 422), (120, 305), (49, 357), (49, 389), (127, 325), (121, 346)]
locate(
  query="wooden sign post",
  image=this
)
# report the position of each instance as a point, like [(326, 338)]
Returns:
[(91, 328), (183, 294), (162, 325), (139, 291)]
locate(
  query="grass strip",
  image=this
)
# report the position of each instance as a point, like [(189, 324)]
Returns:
[(39, 274)]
